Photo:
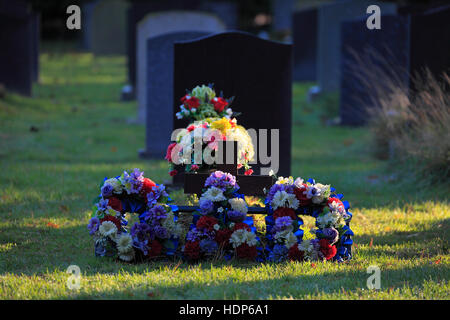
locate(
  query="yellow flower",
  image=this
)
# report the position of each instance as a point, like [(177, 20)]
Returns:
[(223, 125)]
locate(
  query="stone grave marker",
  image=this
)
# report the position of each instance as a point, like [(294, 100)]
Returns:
[(329, 36), (305, 44), (19, 46), (108, 33), (158, 23), (159, 91), (257, 72)]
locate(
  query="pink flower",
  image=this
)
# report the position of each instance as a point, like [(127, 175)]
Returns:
[(169, 152)]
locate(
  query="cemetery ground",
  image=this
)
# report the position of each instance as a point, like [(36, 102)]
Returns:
[(56, 149)]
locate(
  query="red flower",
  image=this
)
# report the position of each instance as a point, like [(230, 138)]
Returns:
[(173, 173), (328, 250), (206, 222), (219, 104), (339, 202), (191, 128), (284, 212), (115, 203), (248, 172), (223, 237), (169, 151), (244, 251), (304, 201), (147, 186), (112, 219), (195, 167), (192, 250), (155, 248), (295, 254), (241, 225), (190, 102)]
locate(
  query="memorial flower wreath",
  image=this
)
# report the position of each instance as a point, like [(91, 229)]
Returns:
[(289, 198), (155, 235), (221, 227)]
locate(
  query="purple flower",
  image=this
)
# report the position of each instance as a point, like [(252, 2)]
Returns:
[(142, 231), (102, 205), (135, 180), (156, 213), (141, 245), (331, 234), (236, 216), (279, 253), (279, 187), (156, 193), (93, 225), (195, 234), (221, 180), (282, 223), (107, 190), (206, 206), (208, 246), (160, 232)]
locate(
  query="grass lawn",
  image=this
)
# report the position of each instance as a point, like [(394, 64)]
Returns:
[(56, 148)]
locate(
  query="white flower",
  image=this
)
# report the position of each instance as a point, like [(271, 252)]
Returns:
[(243, 236), (214, 194), (232, 225), (193, 110), (330, 219), (229, 113), (282, 180), (220, 210), (271, 173), (216, 227), (127, 256), (124, 242), (107, 228), (238, 204), (292, 201), (290, 240), (279, 199), (298, 183), (115, 183)]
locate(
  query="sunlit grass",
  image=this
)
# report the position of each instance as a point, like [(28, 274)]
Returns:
[(56, 148)]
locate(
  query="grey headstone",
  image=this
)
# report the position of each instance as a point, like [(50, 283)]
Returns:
[(139, 9), (109, 27), (282, 14), (257, 72), (329, 37), (305, 44), (159, 23), (19, 46), (159, 115)]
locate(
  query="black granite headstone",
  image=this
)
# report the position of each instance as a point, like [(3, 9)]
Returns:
[(384, 48), (305, 44), (257, 72), (18, 46), (159, 73)]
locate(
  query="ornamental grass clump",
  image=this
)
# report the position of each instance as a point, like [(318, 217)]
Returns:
[(409, 115)]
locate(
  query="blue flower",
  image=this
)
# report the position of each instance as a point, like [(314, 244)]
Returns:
[(208, 246)]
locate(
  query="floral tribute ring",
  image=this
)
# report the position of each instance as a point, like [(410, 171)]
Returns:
[(289, 198), (221, 227), (156, 234)]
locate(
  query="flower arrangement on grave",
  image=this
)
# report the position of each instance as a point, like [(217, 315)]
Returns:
[(288, 198), (196, 146), (221, 226), (155, 235), (202, 102)]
